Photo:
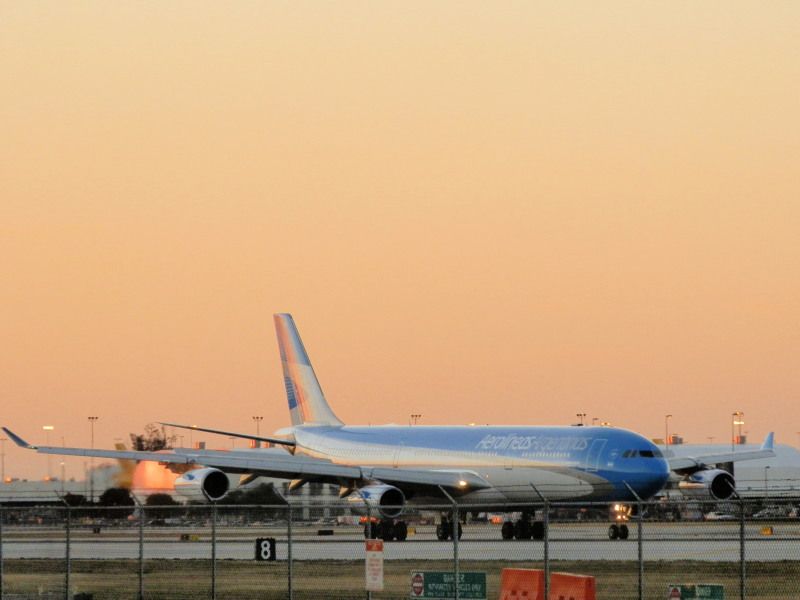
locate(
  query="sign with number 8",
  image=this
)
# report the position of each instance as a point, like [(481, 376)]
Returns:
[(265, 548)]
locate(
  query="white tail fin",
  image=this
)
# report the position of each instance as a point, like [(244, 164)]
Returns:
[(307, 404)]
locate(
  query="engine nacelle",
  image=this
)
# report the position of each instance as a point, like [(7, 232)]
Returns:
[(385, 500), (714, 483), (202, 485)]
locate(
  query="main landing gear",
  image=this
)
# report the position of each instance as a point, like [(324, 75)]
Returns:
[(618, 532), (388, 530), (523, 529), (444, 530)]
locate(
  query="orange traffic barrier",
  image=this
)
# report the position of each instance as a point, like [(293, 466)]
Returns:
[(565, 586), (522, 584)]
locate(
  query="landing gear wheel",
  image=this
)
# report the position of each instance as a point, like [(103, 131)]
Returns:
[(613, 532), (400, 531), (507, 531), (386, 530), (623, 532), (537, 530), (522, 530), (444, 530)]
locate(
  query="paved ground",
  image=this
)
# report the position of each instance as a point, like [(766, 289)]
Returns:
[(714, 542)]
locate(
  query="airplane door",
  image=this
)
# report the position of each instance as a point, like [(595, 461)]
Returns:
[(595, 450)]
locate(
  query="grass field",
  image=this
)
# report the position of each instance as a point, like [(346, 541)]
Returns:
[(178, 579)]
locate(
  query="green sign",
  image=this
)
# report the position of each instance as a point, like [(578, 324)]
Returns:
[(440, 584), (705, 591)]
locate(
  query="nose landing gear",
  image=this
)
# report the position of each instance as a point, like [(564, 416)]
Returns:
[(618, 532)]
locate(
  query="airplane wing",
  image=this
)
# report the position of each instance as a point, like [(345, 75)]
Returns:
[(258, 438), (687, 464), (276, 462)]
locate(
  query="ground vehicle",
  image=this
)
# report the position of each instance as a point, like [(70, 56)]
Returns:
[(718, 516)]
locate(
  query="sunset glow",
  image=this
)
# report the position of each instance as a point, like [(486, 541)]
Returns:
[(476, 213)]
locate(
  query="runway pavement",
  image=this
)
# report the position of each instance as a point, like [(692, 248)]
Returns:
[(713, 542)]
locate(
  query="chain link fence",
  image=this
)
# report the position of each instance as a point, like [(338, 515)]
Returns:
[(750, 549)]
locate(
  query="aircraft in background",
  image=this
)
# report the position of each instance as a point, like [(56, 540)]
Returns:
[(384, 469)]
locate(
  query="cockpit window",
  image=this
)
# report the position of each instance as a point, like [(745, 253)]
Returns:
[(654, 453)]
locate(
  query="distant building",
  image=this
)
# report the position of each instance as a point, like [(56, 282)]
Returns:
[(24, 491)]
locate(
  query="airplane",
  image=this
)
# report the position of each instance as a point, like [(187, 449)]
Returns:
[(382, 470)]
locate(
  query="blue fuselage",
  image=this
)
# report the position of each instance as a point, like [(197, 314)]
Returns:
[(522, 464)]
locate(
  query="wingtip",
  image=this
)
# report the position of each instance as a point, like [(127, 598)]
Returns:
[(18, 440)]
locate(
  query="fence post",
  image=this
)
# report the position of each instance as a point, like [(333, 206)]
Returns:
[(454, 532), (213, 551), (456, 527), (369, 534), (546, 526), (67, 556), (289, 552), (742, 563), (640, 542), (2, 514), (141, 546)]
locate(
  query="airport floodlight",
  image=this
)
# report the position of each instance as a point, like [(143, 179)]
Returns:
[(91, 467), (258, 430), (666, 429), (47, 430), (3, 458), (737, 418)]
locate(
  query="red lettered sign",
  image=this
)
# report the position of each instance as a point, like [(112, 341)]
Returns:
[(373, 566)]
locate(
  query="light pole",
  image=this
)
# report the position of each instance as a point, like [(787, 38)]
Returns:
[(91, 461), (581, 417), (258, 430), (710, 439), (3, 456), (666, 430), (415, 419), (595, 420), (47, 430), (736, 419)]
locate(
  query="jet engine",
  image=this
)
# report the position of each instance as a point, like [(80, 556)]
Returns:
[(713, 483), (202, 485), (385, 500)]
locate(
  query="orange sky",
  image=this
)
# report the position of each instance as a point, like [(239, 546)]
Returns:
[(499, 213)]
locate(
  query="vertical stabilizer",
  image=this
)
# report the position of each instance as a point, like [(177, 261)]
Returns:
[(307, 404)]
